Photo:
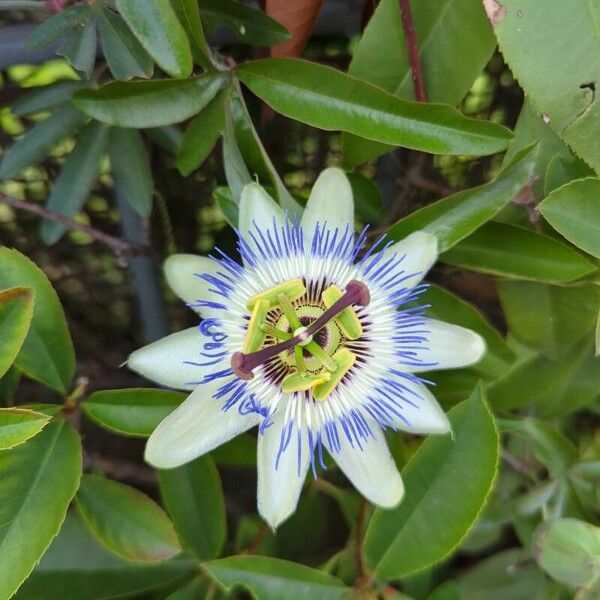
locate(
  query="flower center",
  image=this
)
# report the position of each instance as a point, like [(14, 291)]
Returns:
[(307, 337)]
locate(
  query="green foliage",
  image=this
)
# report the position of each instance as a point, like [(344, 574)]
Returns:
[(162, 105)]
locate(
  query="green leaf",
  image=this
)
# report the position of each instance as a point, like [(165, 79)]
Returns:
[(141, 104), (558, 83), (39, 140), (130, 166), (229, 207), (17, 425), (39, 479), (502, 249), (448, 307), (555, 387), (188, 13), (168, 138), (46, 97), (194, 499), (563, 170), (450, 60), (447, 483), (80, 47), (125, 56), (77, 567), (201, 135), (508, 574), (456, 217), (156, 26), (569, 551), (126, 521), (76, 179), (574, 211), (57, 25), (47, 354), (249, 25), (191, 591), (323, 97), (236, 171), (238, 452), (16, 312), (367, 198), (598, 335), (136, 411), (255, 155), (275, 579), (547, 317)]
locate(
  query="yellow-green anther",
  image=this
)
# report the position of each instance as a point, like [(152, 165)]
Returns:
[(293, 289), (347, 320), (276, 333), (288, 311), (344, 360), (321, 355), (295, 382), (299, 357), (255, 336)]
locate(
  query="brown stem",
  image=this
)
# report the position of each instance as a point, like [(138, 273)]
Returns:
[(116, 244), (413, 51)]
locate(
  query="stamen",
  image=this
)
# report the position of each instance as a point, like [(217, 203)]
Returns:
[(276, 333), (344, 360), (295, 382), (288, 311), (347, 320), (255, 336), (243, 364), (292, 290)]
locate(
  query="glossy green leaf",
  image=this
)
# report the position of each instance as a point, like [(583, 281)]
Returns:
[(191, 591), (229, 207), (368, 202), (555, 387), (445, 306), (188, 13), (80, 47), (236, 171), (16, 312), (130, 166), (46, 97), (508, 574), (275, 579), (249, 25), (326, 98), (450, 60), (569, 551), (148, 103), (456, 217), (194, 499), (255, 155), (38, 141), (125, 56), (574, 211), (168, 138), (76, 179), (598, 335), (562, 170), (136, 411), (127, 522), (502, 249), (238, 452), (39, 479), (557, 66), (201, 135), (447, 482), (158, 29), (57, 25), (47, 354), (454, 385), (9, 384), (547, 317), (77, 567), (17, 425)]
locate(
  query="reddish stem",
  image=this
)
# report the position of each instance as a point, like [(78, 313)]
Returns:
[(413, 51)]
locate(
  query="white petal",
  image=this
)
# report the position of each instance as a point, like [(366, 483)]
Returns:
[(330, 201), (168, 361), (408, 405), (447, 347), (281, 474), (181, 272), (257, 209), (194, 428), (371, 469), (420, 251)]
